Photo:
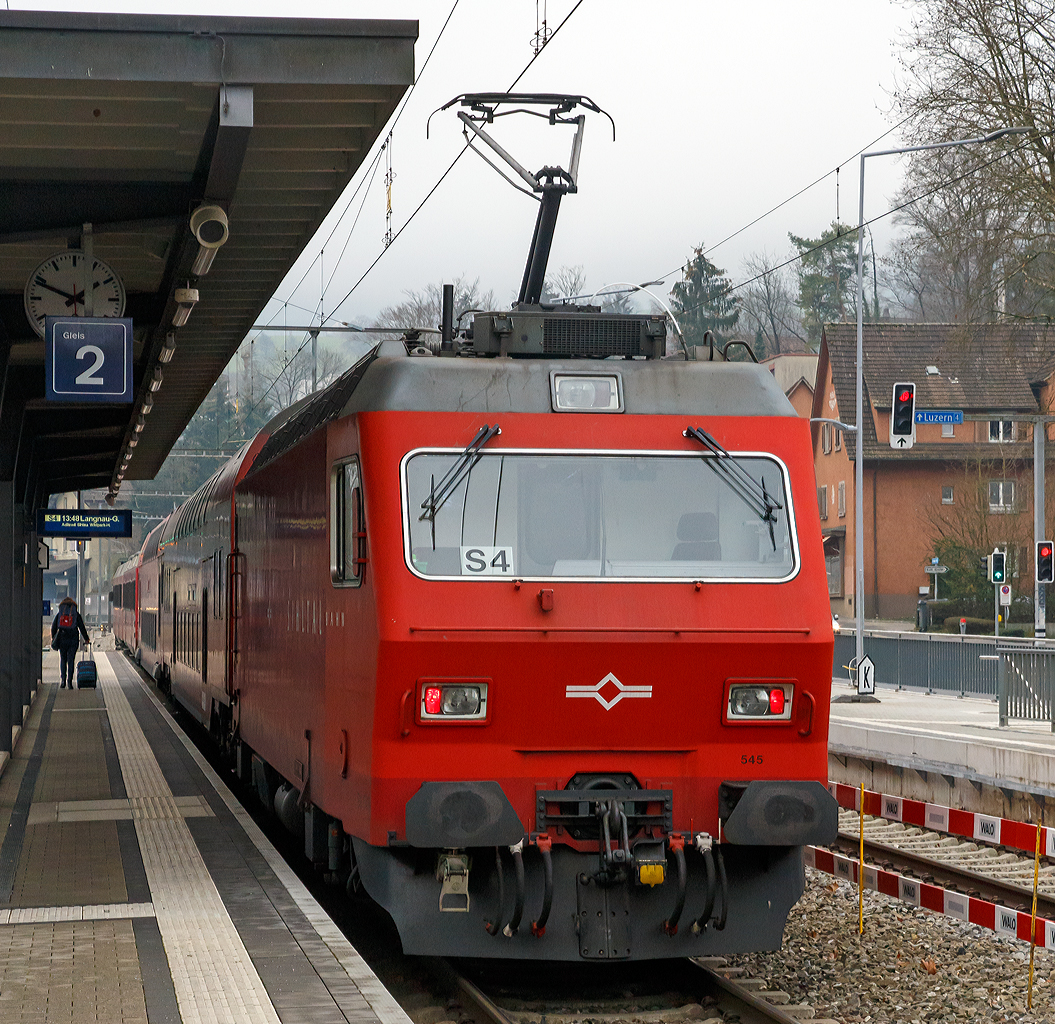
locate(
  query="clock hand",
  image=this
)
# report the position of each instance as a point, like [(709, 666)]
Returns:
[(58, 291), (79, 297)]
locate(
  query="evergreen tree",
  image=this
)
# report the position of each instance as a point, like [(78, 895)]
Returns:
[(827, 272), (704, 301)]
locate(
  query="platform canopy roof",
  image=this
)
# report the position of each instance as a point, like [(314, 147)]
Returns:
[(114, 129)]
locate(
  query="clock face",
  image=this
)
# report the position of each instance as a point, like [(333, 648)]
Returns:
[(56, 288)]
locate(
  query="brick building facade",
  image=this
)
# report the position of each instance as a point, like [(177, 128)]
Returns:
[(972, 482)]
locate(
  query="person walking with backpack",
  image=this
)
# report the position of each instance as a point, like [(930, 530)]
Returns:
[(64, 639)]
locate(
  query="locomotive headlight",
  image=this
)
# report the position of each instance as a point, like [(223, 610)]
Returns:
[(759, 700), (748, 701), (577, 392), (462, 700)]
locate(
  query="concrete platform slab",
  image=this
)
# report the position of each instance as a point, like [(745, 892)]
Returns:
[(134, 887)]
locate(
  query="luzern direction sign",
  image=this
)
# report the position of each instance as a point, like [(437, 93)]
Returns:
[(80, 523), (88, 359), (939, 416)]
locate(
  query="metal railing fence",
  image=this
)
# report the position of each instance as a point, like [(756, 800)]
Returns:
[(1019, 675), (1026, 684), (963, 665)]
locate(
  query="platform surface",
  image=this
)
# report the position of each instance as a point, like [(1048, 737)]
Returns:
[(958, 736), (134, 887)]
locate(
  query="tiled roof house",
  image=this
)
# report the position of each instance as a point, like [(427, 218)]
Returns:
[(998, 373)]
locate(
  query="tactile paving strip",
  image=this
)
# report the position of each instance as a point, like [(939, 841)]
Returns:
[(381, 1002), (92, 912), (213, 975)]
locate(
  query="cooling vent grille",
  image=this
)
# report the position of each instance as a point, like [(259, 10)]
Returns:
[(570, 336)]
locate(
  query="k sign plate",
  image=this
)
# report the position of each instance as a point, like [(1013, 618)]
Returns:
[(88, 359)]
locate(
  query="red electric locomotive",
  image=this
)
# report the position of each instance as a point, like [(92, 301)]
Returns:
[(528, 632)]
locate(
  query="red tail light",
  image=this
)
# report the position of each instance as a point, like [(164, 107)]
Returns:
[(776, 701), (433, 700)]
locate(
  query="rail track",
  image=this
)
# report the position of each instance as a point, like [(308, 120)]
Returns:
[(703, 990), (700, 990), (988, 872)]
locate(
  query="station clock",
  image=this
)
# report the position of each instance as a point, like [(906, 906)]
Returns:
[(56, 288)]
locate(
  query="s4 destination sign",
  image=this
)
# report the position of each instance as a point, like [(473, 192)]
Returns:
[(80, 523)]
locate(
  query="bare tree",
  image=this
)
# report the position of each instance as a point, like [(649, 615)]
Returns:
[(288, 376), (972, 66), (962, 245), (564, 283), (423, 308), (768, 306)]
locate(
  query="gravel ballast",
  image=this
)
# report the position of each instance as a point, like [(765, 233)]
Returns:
[(910, 965)]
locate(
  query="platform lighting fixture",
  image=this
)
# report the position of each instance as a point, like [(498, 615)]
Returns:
[(148, 404), (155, 381), (111, 498), (209, 224), (186, 300), (133, 441), (168, 350), (859, 476), (141, 422)]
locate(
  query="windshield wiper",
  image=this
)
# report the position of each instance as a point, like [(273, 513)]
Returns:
[(739, 481), (438, 494)]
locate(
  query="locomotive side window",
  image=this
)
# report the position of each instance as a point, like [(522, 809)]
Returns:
[(347, 525), (598, 515)]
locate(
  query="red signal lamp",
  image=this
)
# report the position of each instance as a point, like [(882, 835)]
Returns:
[(433, 700), (776, 701)]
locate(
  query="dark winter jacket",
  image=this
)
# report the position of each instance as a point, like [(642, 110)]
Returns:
[(67, 636)]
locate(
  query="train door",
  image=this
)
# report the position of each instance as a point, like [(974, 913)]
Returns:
[(204, 652)]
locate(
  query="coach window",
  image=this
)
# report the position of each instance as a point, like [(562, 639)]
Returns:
[(347, 525)]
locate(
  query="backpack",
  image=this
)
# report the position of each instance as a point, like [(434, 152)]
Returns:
[(66, 620)]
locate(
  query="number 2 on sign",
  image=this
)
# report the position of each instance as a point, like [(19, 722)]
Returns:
[(487, 561)]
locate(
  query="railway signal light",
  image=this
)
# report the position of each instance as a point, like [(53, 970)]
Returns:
[(1045, 563), (903, 415), (996, 563)]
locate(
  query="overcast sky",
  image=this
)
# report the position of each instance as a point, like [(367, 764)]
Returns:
[(722, 110)]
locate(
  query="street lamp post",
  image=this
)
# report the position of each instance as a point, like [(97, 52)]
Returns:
[(859, 475)]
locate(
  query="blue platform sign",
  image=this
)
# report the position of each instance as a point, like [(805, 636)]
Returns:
[(83, 523), (939, 416), (88, 359)]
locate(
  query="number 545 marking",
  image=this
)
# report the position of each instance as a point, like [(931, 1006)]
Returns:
[(487, 561)]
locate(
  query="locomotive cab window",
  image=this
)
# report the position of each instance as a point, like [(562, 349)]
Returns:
[(598, 515), (347, 525)]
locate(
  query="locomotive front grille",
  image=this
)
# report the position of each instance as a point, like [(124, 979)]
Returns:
[(596, 336), (576, 810)]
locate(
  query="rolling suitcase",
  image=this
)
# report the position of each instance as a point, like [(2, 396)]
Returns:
[(86, 672)]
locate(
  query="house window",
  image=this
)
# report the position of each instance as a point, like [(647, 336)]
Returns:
[(1001, 430), (826, 438), (838, 440), (946, 495), (833, 565), (842, 498), (1001, 495), (948, 430), (822, 502)]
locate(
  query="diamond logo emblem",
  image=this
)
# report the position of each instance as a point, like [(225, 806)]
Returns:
[(611, 685)]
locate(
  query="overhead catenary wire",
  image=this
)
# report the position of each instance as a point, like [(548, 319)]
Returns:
[(417, 209), (866, 224), (791, 198), (374, 163)]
